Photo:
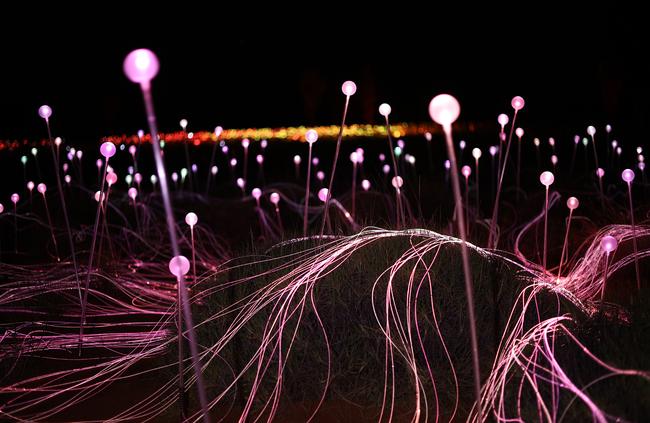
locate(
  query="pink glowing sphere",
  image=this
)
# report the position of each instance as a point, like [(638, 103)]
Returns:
[(447, 164), (476, 153), (323, 193), (263, 144), (640, 158), (382, 157), (572, 203), (241, 182), (65, 167), (297, 159), (585, 142), (553, 159), (275, 198), (15, 198), (45, 111), (641, 166), (141, 66), (256, 193), (111, 178), (58, 141), (503, 119), (397, 182), (179, 266), (79, 154), (401, 144), (519, 132), (191, 218), (536, 142), (2, 208), (320, 175), (444, 109), (427, 136), (99, 163), (218, 130), (608, 128), (384, 109), (349, 88), (315, 161), (546, 178), (608, 244), (233, 162), (137, 178), (214, 170), (224, 149), (628, 175), (600, 172), (551, 142), (97, 194), (41, 188), (466, 171), (591, 130), (517, 103), (259, 158), (576, 139), (132, 150), (462, 144), (354, 157), (619, 150), (183, 123), (132, 192), (385, 168), (30, 185), (311, 136), (365, 184), (174, 177), (67, 179), (107, 149), (245, 142), (493, 150)]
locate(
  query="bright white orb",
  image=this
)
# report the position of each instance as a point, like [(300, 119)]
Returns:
[(349, 88), (628, 175), (608, 244), (546, 178), (384, 109), (141, 66), (444, 109), (311, 136), (41, 188), (572, 203), (517, 103), (179, 266), (45, 111), (323, 193), (591, 130), (191, 218)]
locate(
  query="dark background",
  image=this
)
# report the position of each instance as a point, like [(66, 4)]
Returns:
[(573, 69)]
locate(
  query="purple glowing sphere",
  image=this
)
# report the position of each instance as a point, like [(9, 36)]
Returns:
[(191, 218), (384, 109), (140, 133), (141, 66), (641, 166), (546, 178), (41, 188), (572, 203), (45, 111), (349, 88), (179, 266), (311, 136), (628, 175), (517, 103), (444, 109), (107, 149), (608, 244)]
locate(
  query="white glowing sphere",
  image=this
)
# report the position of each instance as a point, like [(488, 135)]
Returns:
[(141, 66), (190, 135), (111, 178), (34, 151), (447, 164), (183, 173), (275, 198), (385, 168), (519, 132), (444, 109), (45, 111), (67, 179), (410, 159), (218, 130), (551, 142), (397, 182), (320, 175), (476, 153), (536, 142), (323, 193), (600, 172), (591, 130), (466, 171), (259, 158), (517, 103), (179, 266), (572, 203), (384, 109), (30, 185), (132, 192), (233, 162), (608, 244), (153, 179), (585, 141), (349, 88), (546, 178), (140, 133), (107, 149), (462, 144), (427, 136), (256, 193), (639, 150), (365, 184), (15, 198), (98, 194), (79, 154), (297, 159), (263, 144), (132, 150), (503, 119), (245, 142), (354, 157), (493, 150), (241, 182), (41, 188), (311, 136), (619, 150), (608, 128), (183, 123), (214, 170), (128, 178), (58, 141), (553, 159), (628, 175), (191, 218)]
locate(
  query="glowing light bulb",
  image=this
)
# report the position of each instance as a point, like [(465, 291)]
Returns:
[(614, 144), (41, 188), (320, 175), (15, 198), (503, 119), (311, 136), (382, 157), (2, 208), (263, 144), (323, 193), (519, 133), (476, 153), (354, 157), (600, 172), (245, 143), (34, 151), (132, 192), (401, 144), (214, 170), (427, 136), (641, 166), (107, 149), (195, 168), (447, 164), (517, 103), (111, 178), (397, 182), (97, 195), (58, 141), (132, 150), (546, 178), (572, 203), (99, 163), (444, 109), (553, 159), (365, 184), (385, 169), (466, 171), (174, 177), (233, 162), (137, 178), (183, 173), (191, 218), (493, 150), (462, 144), (70, 156), (349, 88), (297, 159), (183, 123), (224, 149), (65, 167), (218, 130), (179, 266), (45, 111), (639, 150), (275, 198), (398, 151), (608, 244), (67, 179), (619, 150), (591, 130), (140, 133), (410, 159), (30, 185), (608, 128), (259, 158), (240, 182), (128, 178), (536, 142), (551, 142), (315, 161), (384, 109), (23, 160), (576, 139), (153, 179), (628, 175), (141, 66), (585, 141), (256, 193)]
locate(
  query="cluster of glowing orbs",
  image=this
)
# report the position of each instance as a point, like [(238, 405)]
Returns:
[(517, 103), (546, 178), (384, 109), (444, 109), (141, 66), (107, 149), (349, 88), (179, 266), (45, 111), (608, 244), (191, 218), (311, 136), (572, 203), (323, 194), (628, 175)]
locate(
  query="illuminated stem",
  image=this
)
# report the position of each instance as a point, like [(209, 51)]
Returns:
[(602, 293), (545, 228), (171, 226), (518, 177), (193, 253), (354, 189), (214, 152), (304, 214), (187, 160), (49, 221), (466, 269), (478, 197), (564, 246), (399, 211), (636, 254), (467, 204)]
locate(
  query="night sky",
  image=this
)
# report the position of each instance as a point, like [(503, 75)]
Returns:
[(572, 70)]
